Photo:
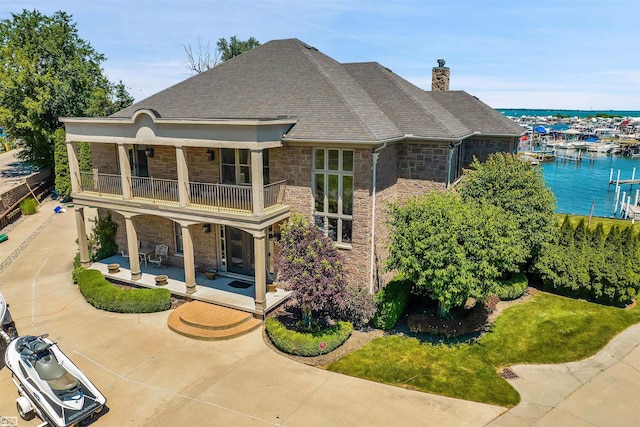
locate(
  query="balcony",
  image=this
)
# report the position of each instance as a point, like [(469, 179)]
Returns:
[(237, 199)]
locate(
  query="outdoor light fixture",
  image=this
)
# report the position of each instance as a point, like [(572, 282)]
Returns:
[(211, 154), (149, 151), (206, 228)]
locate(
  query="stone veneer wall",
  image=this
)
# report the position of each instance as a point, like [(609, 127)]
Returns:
[(294, 164), (153, 230), (425, 161), (421, 167), (163, 164), (105, 158), (201, 169), (482, 147), (440, 77)]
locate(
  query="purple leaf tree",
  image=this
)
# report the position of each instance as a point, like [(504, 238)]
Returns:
[(312, 268)]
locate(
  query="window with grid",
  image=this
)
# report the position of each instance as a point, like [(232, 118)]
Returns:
[(236, 166), (333, 193)]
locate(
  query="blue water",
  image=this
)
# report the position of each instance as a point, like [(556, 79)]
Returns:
[(577, 185), (519, 112)]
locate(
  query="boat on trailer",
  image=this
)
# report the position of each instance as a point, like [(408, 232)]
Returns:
[(49, 385)]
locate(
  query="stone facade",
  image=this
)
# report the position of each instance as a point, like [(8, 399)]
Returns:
[(423, 161), (403, 170), (105, 158), (154, 230), (482, 147), (440, 77)]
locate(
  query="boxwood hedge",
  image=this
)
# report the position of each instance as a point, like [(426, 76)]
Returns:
[(512, 288), (307, 344), (391, 302), (102, 294)]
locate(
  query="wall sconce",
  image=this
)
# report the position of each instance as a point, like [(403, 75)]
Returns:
[(149, 151), (206, 228), (211, 154)]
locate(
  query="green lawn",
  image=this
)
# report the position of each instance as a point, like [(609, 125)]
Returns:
[(546, 329), (607, 223)]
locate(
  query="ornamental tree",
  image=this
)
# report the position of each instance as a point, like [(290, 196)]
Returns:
[(312, 268), (452, 248), (506, 181)]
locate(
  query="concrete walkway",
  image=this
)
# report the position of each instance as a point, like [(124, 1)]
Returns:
[(154, 377), (599, 391)]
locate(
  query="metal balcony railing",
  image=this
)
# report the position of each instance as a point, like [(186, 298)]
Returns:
[(205, 196)]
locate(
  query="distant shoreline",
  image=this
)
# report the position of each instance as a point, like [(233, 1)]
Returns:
[(518, 112)]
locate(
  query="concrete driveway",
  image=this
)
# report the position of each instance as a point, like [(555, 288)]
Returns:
[(153, 377)]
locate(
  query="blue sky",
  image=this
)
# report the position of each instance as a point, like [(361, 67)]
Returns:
[(580, 54)]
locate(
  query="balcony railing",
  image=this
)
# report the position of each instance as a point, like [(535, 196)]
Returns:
[(205, 196), (101, 183), (154, 189)]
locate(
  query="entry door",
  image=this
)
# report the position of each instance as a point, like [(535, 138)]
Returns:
[(240, 254)]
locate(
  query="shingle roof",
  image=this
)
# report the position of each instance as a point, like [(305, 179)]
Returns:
[(331, 101), (475, 114)]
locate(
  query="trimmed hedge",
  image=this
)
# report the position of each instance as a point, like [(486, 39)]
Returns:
[(512, 288), (100, 293), (307, 344), (391, 302)]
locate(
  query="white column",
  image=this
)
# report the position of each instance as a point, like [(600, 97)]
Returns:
[(74, 168), (260, 264), (125, 170), (83, 244), (189, 261), (257, 183), (132, 246), (183, 177)]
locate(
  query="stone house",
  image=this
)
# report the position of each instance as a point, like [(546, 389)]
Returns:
[(211, 166)]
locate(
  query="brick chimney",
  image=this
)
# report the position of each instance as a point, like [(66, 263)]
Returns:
[(440, 77)]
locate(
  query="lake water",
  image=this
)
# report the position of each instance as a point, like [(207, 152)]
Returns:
[(578, 185)]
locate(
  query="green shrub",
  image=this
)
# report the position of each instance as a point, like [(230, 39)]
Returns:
[(307, 344), (359, 306), (101, 294), (102, 241), (29, 206), (391, 302), (512, 288)]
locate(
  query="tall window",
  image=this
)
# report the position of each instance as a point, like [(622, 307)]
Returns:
[(456, 156), (333, 193), (177, 232), (236, 166)]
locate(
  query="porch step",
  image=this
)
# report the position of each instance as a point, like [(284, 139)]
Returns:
[(203, 321)]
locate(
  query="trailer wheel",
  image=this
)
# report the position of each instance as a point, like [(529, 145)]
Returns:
[(25, 410)]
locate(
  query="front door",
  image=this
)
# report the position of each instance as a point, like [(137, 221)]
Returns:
[(240, 255)]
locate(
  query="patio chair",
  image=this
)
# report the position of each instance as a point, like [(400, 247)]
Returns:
[(159, 255), (125, 255)]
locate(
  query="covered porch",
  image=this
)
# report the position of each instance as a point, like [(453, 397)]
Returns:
[(224, 290)]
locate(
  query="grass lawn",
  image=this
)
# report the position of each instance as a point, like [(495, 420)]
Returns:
[(607, 223), (546, 329)]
